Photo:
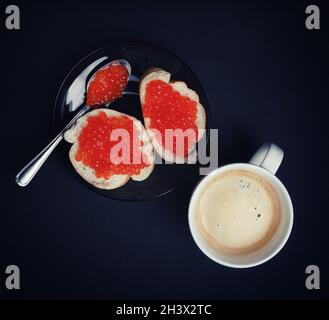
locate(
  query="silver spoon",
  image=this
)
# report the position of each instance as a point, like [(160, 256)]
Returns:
[(25, 176)]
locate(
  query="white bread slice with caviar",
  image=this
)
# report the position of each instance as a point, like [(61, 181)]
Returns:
[(117, 180), (181, 87)]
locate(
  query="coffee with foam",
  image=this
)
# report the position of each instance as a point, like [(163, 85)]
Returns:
[(238, 212)]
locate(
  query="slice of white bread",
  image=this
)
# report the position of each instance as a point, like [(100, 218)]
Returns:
[(181, 87), (117, 180)]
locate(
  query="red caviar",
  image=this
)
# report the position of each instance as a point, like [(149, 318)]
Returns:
[(107, 85), (168, 109), (95, 146)]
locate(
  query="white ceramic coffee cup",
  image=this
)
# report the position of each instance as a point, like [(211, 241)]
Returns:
[(265, 163)]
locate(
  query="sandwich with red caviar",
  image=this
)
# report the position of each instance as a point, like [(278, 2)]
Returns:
[(173, 115), (109, 147)]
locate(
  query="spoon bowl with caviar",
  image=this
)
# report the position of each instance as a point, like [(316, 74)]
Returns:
[(106, 85)]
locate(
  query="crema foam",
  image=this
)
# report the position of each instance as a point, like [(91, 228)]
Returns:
[(238, 212)]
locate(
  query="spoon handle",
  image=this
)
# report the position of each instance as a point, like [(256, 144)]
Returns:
[(25, 176)]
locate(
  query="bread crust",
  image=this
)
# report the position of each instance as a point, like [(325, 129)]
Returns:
[(182, 88), (87, 173)]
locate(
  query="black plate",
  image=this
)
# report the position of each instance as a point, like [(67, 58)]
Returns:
[(164, 178)]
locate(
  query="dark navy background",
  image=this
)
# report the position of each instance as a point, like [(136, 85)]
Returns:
[(266, 79)]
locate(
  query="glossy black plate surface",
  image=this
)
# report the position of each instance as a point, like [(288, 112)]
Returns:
[(164, 178)]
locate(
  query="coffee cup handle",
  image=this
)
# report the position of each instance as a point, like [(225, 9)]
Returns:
[(269, 156)]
